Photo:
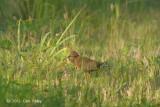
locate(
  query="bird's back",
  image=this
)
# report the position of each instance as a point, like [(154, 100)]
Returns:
[(87, 64)]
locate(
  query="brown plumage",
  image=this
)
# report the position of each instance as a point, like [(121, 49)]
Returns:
[(83, 63)]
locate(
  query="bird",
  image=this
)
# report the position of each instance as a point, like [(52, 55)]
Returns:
[(83, 63)]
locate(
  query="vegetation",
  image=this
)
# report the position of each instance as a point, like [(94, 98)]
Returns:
[(35, 38)]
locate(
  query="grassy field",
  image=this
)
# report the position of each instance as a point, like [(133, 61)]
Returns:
[(35, 38)]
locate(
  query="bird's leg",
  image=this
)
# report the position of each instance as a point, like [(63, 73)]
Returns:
[(87, 76), (77, 68)]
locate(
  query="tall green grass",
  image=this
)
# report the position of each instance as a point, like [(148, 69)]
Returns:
[(33, 69)]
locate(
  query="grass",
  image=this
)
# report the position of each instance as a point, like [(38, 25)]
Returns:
[(34, 72)]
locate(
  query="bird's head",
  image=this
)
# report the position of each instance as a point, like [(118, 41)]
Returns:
[(73, 55)]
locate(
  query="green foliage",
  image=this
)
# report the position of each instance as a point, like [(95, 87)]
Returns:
[(38, 34), (5, 44)]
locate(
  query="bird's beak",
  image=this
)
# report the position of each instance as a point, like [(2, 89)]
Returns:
[(69, 56), (65, 58)]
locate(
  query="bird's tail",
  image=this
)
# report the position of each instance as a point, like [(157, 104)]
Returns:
[(105, 64)]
